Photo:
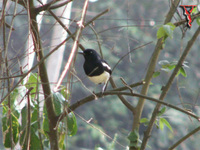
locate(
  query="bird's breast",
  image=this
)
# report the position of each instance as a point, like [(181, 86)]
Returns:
[(103, 78)]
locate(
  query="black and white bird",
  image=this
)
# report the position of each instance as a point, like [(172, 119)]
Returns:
[(97, 69)]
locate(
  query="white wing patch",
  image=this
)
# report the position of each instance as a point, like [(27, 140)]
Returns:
[(106, 65)]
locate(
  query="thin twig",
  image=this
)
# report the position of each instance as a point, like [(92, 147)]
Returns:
[(130, 52), (65, 28), (102, 132), (184, 138), (97, 39), (123, 100), (74, 48)]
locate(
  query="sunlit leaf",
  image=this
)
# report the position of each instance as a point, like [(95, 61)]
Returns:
[(156, 74), (62, 141), (161, 32), (161, 124), (165, 122), (170, 67), (165, 31), (143, 120), (183, 72)]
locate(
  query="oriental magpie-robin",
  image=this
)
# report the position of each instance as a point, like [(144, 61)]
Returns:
[(97, 69)]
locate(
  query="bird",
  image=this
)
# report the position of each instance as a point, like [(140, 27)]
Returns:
[(96, 68)]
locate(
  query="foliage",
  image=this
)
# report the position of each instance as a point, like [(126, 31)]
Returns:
[(20, 129)]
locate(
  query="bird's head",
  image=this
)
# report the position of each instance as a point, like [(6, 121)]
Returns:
[(90, 54)]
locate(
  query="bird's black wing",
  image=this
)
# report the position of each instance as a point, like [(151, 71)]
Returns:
[(93, 69)]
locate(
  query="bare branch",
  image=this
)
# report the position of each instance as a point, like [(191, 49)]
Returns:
[(123, 100), (111, 92), (49, 6), (75, 46)]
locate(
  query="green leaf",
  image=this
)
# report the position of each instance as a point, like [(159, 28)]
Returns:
[(58, 100), (169, 28), (198, 20), (183, 72), (6, 128), (144, 120), (133, 138), (161, 33), (45, 124), (166, 31), (156, 74), (194, 11), (32, 82), (170, 67), (162, 111), (71, 124), (65, 93), (35, 142), (163, 122), (62, 141), (13, 97)]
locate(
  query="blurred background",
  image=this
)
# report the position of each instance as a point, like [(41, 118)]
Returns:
[(128, 24)]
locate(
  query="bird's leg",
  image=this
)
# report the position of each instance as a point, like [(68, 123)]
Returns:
[(103, 89)]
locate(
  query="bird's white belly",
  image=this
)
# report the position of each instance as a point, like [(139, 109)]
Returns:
[(103, 78)]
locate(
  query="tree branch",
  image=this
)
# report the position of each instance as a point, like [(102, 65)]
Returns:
[(111, 92), (150, 71), (53, 137), (74, 48), (49, 6), (65, 28), (167, 86)]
